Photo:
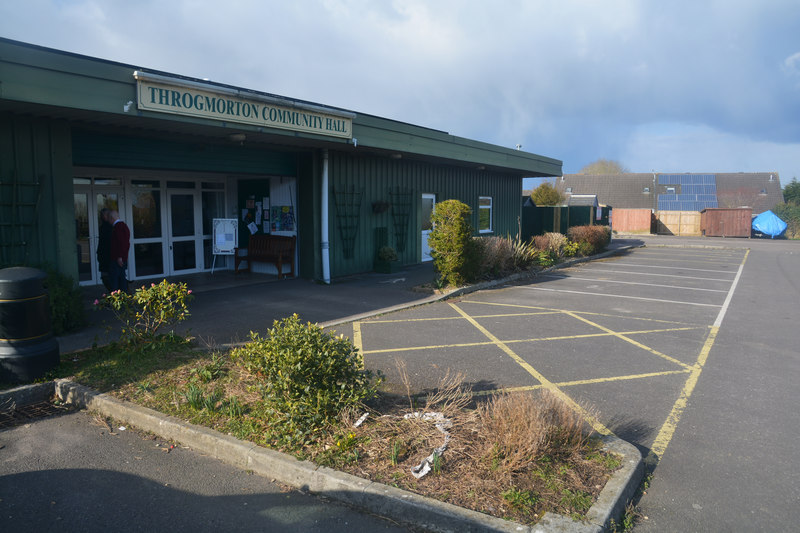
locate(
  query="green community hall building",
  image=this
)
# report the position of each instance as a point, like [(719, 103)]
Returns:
[(195, 167)]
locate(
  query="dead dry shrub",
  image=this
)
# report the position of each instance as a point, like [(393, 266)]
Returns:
[(516, 429), (496, 257), (552, 242)]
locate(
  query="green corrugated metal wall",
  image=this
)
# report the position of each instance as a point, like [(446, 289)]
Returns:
[(375, 177), (35, 153), (101, 149)]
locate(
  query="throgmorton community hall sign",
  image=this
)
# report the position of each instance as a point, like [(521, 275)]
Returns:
[(171, 95)]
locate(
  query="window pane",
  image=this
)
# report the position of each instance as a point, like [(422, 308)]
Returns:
[(149, 259), (180, 184), (485, 213), (146, 214), (183, 257), (82, 248), (146, 183), (213, 207), (484, 219), (182, 214), (107, 181)]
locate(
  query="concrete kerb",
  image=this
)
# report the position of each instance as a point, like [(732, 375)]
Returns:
[(475, 288), (383, 500)]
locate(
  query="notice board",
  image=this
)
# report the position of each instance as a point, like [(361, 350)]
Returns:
[(225, 236)]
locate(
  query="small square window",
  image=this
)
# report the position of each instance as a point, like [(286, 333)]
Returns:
[(568, 189), (485, 214), (670, 190), (646, 189)]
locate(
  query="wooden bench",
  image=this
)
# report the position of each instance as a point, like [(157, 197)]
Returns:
[(275, 249)]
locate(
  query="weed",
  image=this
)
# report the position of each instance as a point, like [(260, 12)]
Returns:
[(437, 464), (577, 501), (521, 500), (194, 396)]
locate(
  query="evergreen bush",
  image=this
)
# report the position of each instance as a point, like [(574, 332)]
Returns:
[(307, 378), (456, 256)]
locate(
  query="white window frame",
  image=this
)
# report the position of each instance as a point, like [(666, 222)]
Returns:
[(490, 207)]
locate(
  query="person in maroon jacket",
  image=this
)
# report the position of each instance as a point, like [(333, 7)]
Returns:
[(120, 246)]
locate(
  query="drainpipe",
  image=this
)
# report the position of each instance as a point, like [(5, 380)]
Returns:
[(325, 245)]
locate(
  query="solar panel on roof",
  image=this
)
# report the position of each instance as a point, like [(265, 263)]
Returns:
[(698, 192)]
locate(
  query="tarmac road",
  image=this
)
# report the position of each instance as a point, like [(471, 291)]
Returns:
[(70, 473)]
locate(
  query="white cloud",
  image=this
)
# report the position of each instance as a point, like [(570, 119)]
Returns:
[(675, 147), (573, 79)]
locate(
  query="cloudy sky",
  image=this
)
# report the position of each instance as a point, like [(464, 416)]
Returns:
[(670, 86)]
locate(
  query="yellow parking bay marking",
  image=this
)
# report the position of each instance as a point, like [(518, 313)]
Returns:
[(670, 425), (591, 313), (608, 333), (400, 320), (594, 381), (546, 383), (620, 378), (357, 342), (627, 339)]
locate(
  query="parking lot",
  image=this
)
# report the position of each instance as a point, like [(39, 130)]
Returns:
[(686, 351), (626, 335)]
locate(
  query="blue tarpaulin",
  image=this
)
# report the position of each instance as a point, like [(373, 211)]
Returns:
[(768, 223)]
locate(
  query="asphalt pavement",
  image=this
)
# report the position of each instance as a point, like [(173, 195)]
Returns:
[(686, 348), (72, 472)]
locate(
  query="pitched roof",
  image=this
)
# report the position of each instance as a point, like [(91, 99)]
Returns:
[(616, 190), (759, 190)]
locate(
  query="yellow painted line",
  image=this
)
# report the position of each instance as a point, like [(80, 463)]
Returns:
[(579, 312), (620, 378), (580, 382), (400, 321), (667, 430), (431, 347), (546, 383), (357, 340), (627, 339), (491, 392)]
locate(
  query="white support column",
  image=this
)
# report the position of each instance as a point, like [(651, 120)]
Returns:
[(324, 244)]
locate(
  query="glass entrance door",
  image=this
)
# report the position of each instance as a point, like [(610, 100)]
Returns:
[(183, 232), (428, 203), (88, 202)]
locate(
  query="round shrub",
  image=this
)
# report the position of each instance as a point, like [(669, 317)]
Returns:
[(307, 377)]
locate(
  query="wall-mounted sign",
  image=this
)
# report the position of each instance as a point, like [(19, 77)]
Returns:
[(200, 102)]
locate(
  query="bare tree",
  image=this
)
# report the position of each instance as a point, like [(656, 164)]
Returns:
[(604, 166)]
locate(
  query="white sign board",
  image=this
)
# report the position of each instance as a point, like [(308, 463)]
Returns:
[(226, 236)]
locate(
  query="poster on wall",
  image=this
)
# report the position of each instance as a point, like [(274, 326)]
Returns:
[(226, 236), (282, 218)]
